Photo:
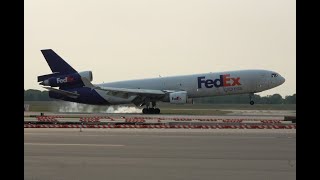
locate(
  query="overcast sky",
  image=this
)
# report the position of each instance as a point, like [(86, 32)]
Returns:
[(132, 39)]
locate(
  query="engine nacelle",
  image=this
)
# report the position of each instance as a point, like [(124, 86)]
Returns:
[(86, 74), (180, 97), (68, 79)]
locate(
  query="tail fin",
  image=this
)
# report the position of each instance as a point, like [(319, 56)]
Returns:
[(56, 63)]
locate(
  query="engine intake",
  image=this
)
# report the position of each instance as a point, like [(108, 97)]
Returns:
[(86, 74), (180, 97)]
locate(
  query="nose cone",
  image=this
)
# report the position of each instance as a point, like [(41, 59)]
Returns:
[(282, 80)]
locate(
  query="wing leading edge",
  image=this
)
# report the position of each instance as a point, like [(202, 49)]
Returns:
[(114, 91)]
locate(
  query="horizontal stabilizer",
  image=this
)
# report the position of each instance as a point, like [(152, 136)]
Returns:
[(47, 76), (63, 92)]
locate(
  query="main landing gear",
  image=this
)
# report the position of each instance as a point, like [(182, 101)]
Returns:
[(151, 110), (251, 97)]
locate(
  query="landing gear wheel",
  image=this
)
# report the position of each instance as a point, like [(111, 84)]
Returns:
[(251, 95), (151, 111), (145, 111)]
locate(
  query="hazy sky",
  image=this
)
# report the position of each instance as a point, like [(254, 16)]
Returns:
[(132, 39)]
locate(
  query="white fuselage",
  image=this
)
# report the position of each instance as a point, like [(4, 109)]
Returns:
[(203, 85)]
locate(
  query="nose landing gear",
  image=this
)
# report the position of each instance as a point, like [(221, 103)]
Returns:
[(251, 97)]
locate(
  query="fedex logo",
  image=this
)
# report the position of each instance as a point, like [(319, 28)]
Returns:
[(65, 80), (176, 98), (223, 81)]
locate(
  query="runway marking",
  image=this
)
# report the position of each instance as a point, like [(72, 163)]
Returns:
[(57, 134), (54, 144)]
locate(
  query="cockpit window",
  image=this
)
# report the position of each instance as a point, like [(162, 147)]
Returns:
[(274, 75)]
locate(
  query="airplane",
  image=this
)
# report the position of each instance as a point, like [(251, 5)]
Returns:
[(65, 83)]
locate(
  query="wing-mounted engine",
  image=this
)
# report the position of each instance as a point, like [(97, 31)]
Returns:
[(179, 97), (59, 80)]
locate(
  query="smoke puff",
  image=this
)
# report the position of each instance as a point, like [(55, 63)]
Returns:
[(76, 107)]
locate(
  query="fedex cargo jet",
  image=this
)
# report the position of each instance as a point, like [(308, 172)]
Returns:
[(65, 83)]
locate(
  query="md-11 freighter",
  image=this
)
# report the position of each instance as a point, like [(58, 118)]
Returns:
[(65, 83)]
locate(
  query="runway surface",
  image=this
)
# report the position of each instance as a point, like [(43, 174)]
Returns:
[(241, 154)]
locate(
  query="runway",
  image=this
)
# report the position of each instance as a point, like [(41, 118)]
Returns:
[(137, 121), (242, 154)]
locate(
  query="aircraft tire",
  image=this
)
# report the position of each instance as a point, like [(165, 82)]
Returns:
[(151, 111), (145, 111), (251, 102)]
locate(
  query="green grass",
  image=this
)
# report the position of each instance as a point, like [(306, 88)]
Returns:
[(194, 111), (166, 108), (231, 106)]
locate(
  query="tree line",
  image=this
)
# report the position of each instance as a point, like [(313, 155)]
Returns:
[(244, 99), (37, 95)]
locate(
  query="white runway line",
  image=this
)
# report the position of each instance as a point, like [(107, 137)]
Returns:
[(54, 144)]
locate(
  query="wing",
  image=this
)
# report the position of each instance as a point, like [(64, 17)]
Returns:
[(111, 90), (141, 94), (131, 91)]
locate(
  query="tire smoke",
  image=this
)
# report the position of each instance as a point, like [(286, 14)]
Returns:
[(83, 108)]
